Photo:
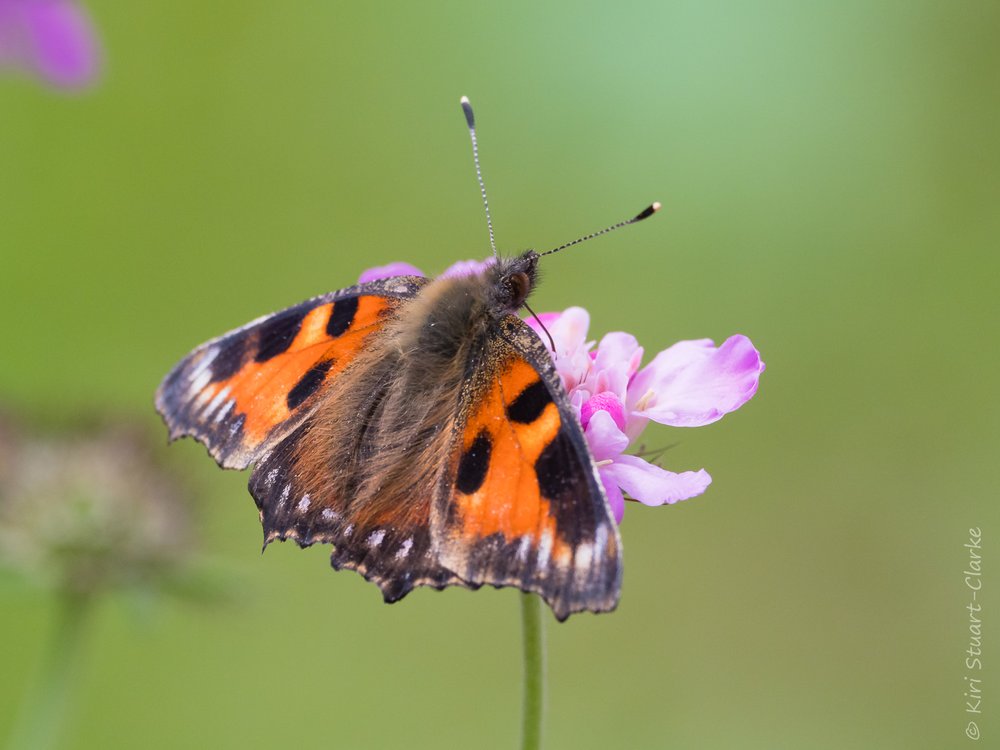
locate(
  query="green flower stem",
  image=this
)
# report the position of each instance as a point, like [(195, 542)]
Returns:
[(534, 671), (48, 699)]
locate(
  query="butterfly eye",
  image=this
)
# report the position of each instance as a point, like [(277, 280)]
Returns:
[(520, 285)]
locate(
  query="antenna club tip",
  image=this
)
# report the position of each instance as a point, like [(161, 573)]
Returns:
[(648, 211), (470, 118)]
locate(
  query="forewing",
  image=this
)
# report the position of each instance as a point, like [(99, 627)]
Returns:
[(241, 393), (522, 504)]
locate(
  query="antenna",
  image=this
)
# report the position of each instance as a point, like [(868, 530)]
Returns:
[(470, 119), (644, 214)]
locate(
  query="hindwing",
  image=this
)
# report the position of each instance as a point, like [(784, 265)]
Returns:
[(522, 503)]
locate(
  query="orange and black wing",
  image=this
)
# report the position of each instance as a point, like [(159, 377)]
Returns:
[(241, 393), (391, 547), (522, 503)]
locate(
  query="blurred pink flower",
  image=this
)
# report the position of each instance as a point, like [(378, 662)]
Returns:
[(466, 268), (54, 39), (689, 384), (388, 271), (458, 268), (89, 511)]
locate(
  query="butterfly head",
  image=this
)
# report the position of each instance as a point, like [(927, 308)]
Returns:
[(511, 281)]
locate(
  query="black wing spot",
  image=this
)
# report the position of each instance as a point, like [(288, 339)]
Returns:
[(528, 406), (277, 334), (342, 316), (554, 467), (562, 481), (309, 383), (230, 358), (474, 463)]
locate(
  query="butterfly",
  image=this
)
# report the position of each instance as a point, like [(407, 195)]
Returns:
[(420, 427)]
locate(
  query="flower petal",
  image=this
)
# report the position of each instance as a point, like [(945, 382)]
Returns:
[(612, 365), (606, 441), (614, 495), (535, 323), (466, 268), (693, 383), (617, 348), (652, 485), (570, 330), (388, 271), (64, 44)]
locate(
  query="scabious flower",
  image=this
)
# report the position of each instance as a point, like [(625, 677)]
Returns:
[(54, 39), (388, 271), (84, 514), (689, 384), (459, 268), (90, 512)]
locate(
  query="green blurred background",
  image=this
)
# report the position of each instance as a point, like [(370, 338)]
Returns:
[(829, 175)]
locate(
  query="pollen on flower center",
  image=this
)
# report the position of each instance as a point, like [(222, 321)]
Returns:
[(605, 462)]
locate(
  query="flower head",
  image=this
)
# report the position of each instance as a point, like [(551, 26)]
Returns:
[(459, 268), (54, 39), (689, 384), (90, 512)]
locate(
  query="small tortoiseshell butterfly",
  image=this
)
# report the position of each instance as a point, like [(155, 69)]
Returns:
[(419, 427)]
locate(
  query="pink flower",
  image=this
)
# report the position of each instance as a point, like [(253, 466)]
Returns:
[(388, 271), (52, 38), (690, 384), (459, 268)]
